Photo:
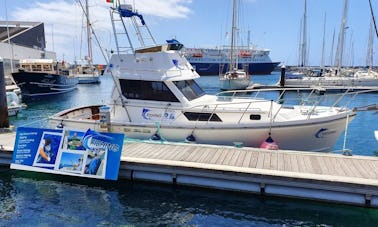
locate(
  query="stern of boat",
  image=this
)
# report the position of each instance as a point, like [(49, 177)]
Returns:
[(78, 118)]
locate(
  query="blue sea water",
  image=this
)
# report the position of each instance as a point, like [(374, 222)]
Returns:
[(35, 199)]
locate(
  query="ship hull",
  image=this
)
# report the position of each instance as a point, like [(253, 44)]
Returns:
[(42, 84), (205, 69)]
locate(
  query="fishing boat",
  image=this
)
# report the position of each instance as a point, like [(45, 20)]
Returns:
[(42, 77), (155, 96), (235, 78)]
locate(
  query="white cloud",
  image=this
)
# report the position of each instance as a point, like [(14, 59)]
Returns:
[(63, 21), (166, 9)]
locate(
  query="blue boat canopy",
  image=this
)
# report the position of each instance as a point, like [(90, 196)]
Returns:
[(124, 12), (173, 44), (173, 41)]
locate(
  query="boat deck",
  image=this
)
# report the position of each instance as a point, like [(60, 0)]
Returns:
[(317, 176)]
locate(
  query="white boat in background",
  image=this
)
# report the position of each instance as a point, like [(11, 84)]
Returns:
[(86, 72), (376, 134), (14, 103), (346, 78), (234, 78), (156, 97)]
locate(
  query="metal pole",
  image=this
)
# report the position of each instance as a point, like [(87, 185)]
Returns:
[(4, 120)]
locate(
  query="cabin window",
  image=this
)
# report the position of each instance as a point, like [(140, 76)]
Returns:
[(37, 68), (26, 67), (202, 116), (255, 117), (190, 89), (47, 68), (147, 90)]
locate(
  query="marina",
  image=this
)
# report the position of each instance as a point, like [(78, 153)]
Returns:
[(156, 144)]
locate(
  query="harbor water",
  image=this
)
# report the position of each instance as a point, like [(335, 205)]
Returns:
[(36, 199)]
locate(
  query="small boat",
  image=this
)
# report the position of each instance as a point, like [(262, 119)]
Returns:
[(155, 96), (42, 77), (86, 72), (234, 78), (376, 134), (14, 104)]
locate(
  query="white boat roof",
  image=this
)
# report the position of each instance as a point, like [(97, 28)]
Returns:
[(152, 66), (36, 60)]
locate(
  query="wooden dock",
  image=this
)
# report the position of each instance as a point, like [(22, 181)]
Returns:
[(307, 175)]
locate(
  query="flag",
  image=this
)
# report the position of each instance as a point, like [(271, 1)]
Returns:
[(109, 1)]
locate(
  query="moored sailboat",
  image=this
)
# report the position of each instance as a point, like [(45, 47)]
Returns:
[(234, 78), (84, 70)]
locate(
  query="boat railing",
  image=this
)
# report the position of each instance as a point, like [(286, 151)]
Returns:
[(311, 100), (310, 105), (312, 94)]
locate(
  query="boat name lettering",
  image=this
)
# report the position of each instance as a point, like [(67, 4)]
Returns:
[(148, 115)]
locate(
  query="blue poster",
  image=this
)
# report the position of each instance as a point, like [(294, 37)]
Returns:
[(69, 152)]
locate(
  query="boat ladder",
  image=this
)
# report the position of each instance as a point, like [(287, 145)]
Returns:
[(120, 31)]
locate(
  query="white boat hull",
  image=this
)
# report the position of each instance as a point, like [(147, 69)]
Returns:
[(88, 79), (319, 136), (234, 84)]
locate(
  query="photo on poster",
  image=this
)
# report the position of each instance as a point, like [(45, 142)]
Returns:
[(96, 162), (48, 149), (72, 162), (73, 140)]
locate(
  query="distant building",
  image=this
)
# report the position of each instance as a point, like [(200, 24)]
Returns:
[(21, 40)]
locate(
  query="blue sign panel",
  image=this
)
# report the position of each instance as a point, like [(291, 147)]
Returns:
[(69, 152)]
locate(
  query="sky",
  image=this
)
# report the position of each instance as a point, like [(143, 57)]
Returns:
[(272, 24)]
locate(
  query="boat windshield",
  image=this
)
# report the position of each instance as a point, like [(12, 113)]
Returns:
[(190, 89)]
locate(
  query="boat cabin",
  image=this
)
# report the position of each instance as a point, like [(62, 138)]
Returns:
[(38, 65), (44, 66)]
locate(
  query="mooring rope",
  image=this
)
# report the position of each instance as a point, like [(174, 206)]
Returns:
[(372, 17)]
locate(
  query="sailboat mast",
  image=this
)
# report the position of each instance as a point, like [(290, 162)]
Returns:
[(324, 28), (342, 36), (88, 34), (233, 29), (331, 54), (304, 37), (369, 53)]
